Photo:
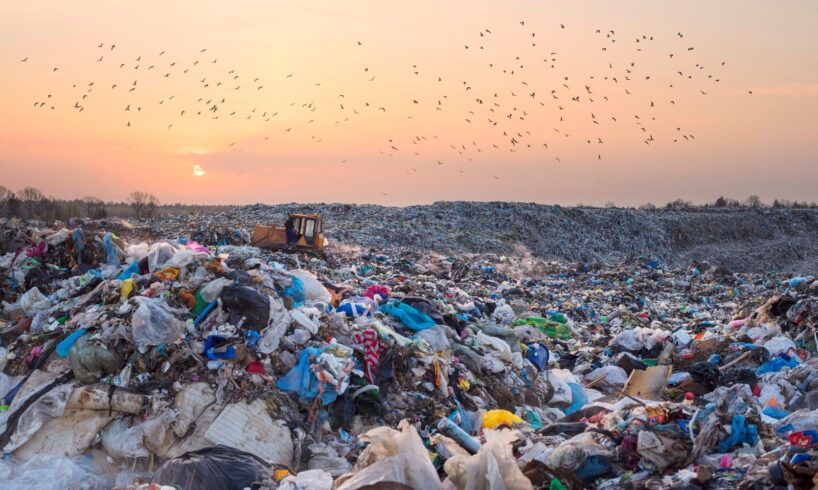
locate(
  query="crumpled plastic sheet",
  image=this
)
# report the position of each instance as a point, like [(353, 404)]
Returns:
[(493, 467), (392, 456), (50, 472)]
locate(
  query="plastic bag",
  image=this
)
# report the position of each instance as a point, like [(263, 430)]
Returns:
[(538, 355), (279, 322), (395, 456), (159, 254), (183, 258), (122, 439), (317, 479), (614, 375), (495, 418), (307, 318), (247, 302), (579, 398), (214, 467), (137, 251), (493, 467), (503, 314), (411, 317), (302, 381), (324, 457), (154, 323), (90, 360), (111, 250), (295, 291), (313, 289), (33, 301), (213, 289), (50, 472), (436, 337)]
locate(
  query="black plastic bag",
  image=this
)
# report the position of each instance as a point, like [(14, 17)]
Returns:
[(213, 467), (248, 302)]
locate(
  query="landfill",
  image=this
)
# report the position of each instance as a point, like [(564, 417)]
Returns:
[(175, 355)]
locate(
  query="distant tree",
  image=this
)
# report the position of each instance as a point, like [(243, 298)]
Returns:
[(30, 197), (94, 207), (754, 202), (13, 208), (143, 204), (721, 202), (648, 206), (5, 195), (610, 204), (679, 204)]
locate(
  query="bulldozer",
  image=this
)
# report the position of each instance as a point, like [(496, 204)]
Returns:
[(307, 235)]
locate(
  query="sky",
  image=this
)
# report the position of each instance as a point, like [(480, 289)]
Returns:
[(400, 103)]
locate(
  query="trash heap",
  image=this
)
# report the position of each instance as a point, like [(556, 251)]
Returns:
[(126, 362)]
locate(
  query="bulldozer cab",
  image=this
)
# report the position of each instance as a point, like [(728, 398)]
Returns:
[(303, 232), (307, 226)]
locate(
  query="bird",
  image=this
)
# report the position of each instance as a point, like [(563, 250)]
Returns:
[(23, 60)]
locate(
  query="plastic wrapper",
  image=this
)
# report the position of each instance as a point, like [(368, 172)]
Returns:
[(153, 323)]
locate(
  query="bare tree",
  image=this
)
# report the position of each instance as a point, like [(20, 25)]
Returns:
[(679, 204), (143, 204), (94, 207), (30, 197), (5, 196), (754, 202)]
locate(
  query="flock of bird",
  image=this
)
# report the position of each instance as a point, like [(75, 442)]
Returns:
[(512, 112)]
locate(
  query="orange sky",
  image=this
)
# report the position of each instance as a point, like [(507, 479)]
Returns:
[(338, 149)]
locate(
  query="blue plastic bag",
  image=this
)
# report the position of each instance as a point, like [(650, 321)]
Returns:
[(64, 347), (776, 364), (110, 249), (739, 434), (79, 239), (302, 381), (131, 270), (296, 292), (578, 396), (213, 353), (775, 412), (410, 316), (538, 355)]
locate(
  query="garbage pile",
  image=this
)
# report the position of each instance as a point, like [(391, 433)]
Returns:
[(179, 364), (742, 239)]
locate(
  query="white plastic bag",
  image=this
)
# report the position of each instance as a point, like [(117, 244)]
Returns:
[(503, 314), (213, 289), (392, 455), (307, 480), (183, 258), (159, 254), (154, 323), (33, 302), (279, 323), (493, 467), (123, 440), (307, 318), (137, 251)]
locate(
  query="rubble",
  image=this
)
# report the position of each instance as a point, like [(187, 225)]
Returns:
[(130, 357)]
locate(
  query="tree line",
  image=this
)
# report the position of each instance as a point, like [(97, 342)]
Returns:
[(31, 203)]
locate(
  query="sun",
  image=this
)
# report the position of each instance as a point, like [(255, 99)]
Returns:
[(197, 171)]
